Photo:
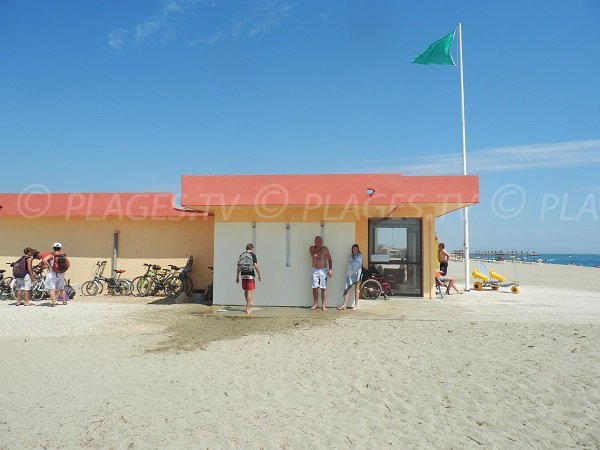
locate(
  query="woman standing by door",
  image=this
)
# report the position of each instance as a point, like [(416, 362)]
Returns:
[(353, 277)]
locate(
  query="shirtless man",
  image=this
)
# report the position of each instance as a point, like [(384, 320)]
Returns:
[(443, 256), (322, 268)]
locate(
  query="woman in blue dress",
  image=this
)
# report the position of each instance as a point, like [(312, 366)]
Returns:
[(353, 277)]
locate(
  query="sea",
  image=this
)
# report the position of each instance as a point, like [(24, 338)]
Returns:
[(573, 259)]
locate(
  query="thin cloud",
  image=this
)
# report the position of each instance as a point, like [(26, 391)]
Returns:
[(116, 38), (147, 30), (521, 157), (161, 25), (251, 23), (251, 20), (272, 19), (209, 40)]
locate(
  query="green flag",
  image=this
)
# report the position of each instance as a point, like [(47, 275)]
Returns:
[(437, 53)]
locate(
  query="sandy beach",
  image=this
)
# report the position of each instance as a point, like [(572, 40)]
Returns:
[(478, 370)]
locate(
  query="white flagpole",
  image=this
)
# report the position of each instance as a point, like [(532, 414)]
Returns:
[(464, 159)]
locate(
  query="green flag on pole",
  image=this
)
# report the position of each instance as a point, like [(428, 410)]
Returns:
[(437, 53)]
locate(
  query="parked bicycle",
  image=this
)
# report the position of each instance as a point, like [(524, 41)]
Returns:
[(172, 281), (6, 283), (38, 289), (114, 285)]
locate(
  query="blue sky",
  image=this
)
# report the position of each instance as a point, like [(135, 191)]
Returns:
[(130, 95)]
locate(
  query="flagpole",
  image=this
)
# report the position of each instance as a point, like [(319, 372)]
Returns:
[(464, 158)]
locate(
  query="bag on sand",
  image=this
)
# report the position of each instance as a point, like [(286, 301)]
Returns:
[(69, 291)]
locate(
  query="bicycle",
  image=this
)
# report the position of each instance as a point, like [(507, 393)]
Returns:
[(6, 292), (181, 281), (38, 288), (115, 285), (152, 282)]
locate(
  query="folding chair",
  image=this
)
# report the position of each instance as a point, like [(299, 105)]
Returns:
[(438, 287)]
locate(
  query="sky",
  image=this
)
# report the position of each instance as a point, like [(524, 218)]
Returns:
[(127, 96)]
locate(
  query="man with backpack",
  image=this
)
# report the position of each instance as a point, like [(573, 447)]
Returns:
[(247, 268), (58, 264), (23, 274)]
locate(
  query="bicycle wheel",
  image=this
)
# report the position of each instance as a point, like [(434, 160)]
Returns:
[(91, 287), (124, 287), (139, 286), (371, 289), (13, 291), (188, 286), (100, 286), (38, 291), (5, 291), (144, 286), (83, 288), (173, 287)]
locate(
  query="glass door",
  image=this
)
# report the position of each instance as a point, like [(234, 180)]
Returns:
[(395, 252)]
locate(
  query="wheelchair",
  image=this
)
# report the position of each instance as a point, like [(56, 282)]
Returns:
[(374, 285)]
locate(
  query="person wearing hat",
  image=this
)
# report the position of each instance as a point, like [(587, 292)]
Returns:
[(55, 281)]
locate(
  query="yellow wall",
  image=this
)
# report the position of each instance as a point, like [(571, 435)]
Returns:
[(361, 236), (428, 237), (161, 241), (170, 241)]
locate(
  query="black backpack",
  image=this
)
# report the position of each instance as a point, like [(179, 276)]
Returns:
[(61, 263)]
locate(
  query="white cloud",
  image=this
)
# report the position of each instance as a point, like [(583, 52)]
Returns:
[(271, 19), (252, 22), (116, 38), (147, 30), (162, 24), (252, 19), (209, 40), (521, 157)]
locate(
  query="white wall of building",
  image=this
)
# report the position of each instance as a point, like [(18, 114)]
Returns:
[(281, 285)]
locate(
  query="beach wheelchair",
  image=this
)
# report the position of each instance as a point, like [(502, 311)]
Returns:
[(488, 278), (374, 285)]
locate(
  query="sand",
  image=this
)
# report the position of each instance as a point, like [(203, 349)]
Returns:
[(477, 370)]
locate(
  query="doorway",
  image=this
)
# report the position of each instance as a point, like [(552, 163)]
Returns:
[(395, 250)]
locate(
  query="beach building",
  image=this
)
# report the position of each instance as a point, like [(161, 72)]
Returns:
[(391, 217), (129, 228)]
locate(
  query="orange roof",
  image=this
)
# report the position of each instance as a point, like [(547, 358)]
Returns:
[(389, 189), (123, 205)]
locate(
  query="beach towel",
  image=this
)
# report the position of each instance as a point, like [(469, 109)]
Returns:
[(354, 271)]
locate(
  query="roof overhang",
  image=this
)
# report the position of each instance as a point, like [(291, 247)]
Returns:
[(143, 205), (327, 197)]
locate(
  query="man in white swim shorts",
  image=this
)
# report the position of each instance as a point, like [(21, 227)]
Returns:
[(322, 268), (55, 280)]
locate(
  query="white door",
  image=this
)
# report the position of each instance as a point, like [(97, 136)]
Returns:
[(286, 267)]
